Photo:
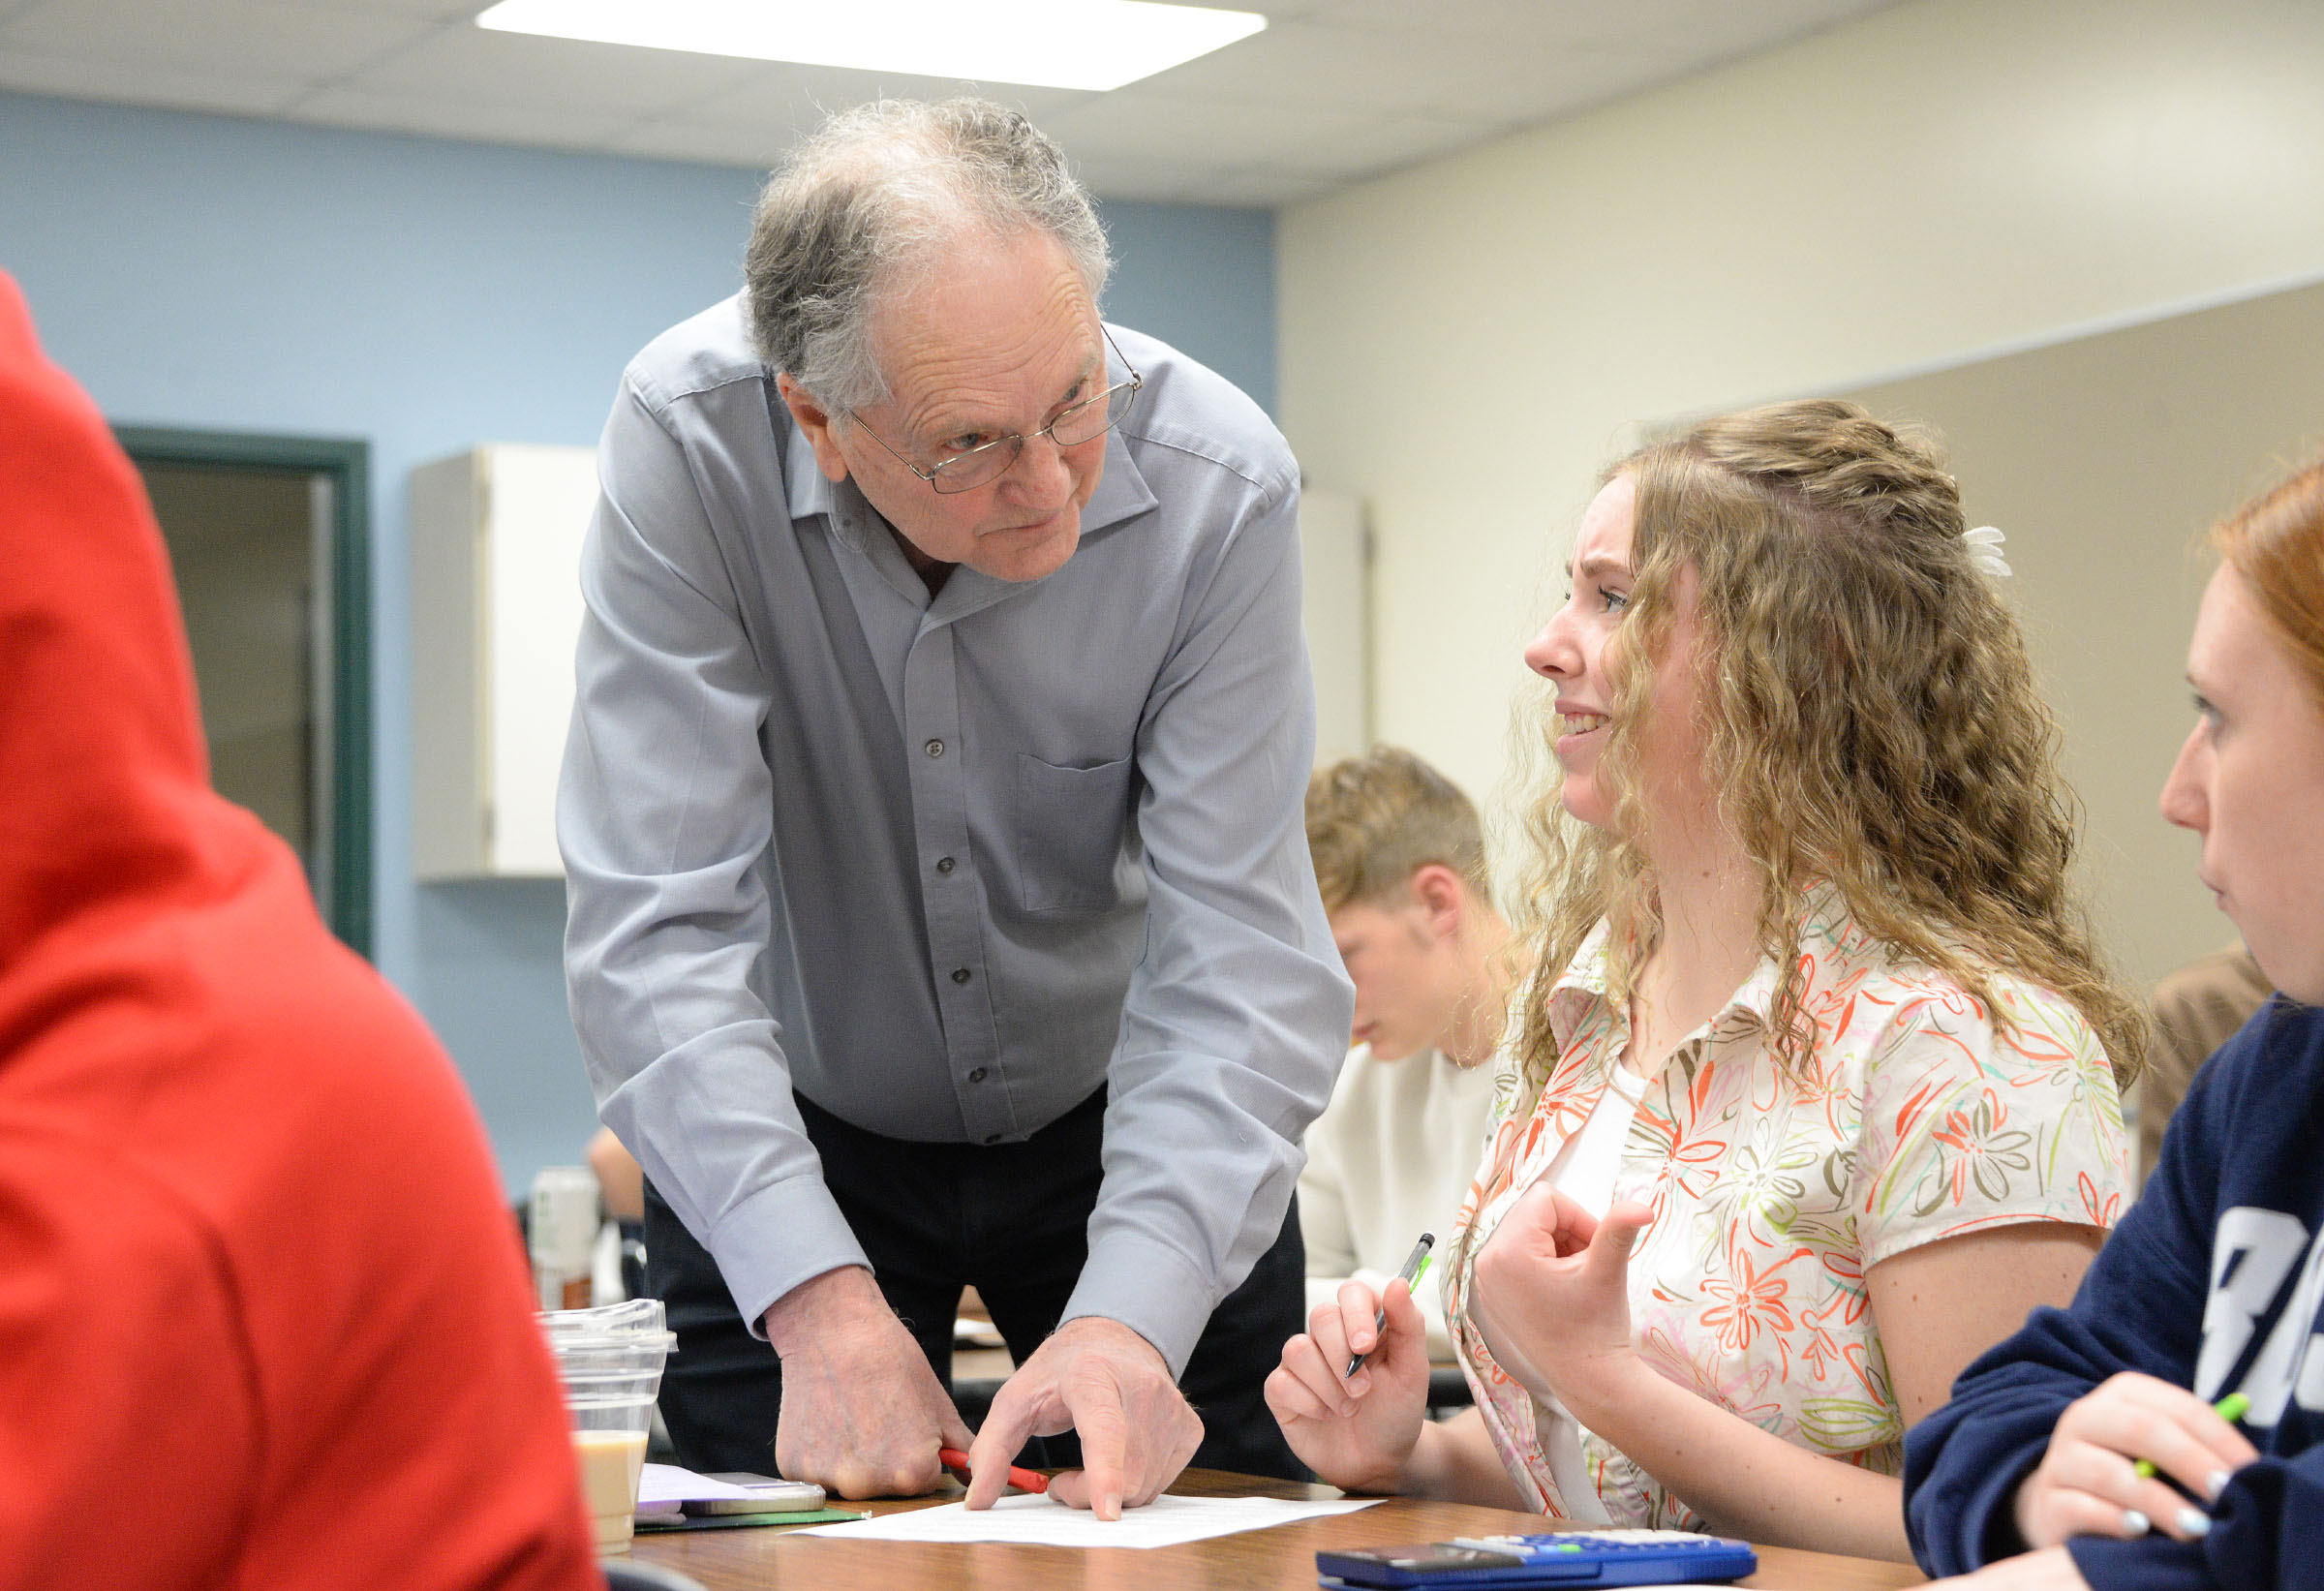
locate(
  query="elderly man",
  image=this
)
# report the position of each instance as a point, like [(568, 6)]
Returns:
[(940, 911)]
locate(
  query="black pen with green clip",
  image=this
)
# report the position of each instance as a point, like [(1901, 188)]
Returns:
[(1415, 1267)]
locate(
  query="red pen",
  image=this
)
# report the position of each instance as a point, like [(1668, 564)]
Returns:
[(1024, 1480)]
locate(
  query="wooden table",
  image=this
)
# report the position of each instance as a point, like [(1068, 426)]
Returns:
[(733, 1560)]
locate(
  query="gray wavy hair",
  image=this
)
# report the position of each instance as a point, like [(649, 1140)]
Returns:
[(861, 210)]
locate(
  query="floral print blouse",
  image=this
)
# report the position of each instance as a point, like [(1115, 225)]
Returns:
[(1920, 1119)]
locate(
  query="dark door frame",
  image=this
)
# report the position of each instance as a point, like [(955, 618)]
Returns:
[(346, 463)]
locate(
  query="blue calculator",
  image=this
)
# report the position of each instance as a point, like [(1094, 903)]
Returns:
[(1580, 1557)]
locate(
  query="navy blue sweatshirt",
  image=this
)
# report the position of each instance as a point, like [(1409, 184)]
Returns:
[(2214, 1282)]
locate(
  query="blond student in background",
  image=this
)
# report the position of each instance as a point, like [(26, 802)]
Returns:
[(1400, 856)]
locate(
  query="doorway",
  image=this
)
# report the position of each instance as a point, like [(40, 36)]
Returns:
[(269, 544)]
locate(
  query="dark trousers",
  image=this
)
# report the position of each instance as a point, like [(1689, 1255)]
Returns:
[(1010, 1220)]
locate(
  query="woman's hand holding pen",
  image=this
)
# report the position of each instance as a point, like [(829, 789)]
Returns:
[(1551, 1297), (1355, 1432), (2089, 1483)]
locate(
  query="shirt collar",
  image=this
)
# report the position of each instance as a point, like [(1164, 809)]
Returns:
[(1582, 989)]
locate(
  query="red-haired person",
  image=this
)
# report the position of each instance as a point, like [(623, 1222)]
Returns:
[(2211, 1287)]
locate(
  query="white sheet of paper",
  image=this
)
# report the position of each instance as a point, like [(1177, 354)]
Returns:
[(1036, 1521), (669, 1483)]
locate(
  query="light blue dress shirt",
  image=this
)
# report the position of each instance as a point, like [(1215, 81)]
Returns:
[(947, 866)]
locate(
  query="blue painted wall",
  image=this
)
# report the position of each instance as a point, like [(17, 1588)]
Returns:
[(425, 295)]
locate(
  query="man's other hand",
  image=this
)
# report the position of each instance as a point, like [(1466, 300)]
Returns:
[(1101, 1379), (862, 1414)]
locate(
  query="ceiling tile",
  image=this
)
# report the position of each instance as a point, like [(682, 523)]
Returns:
[(440, 10), (1386, 142), (236, 37), (1148, 125), (1266, 190), (1302, 63), (1333, 91), (1295, 142), (1714, 30), (1514, 79), (730, 145), (480, 119), (785, 95), (1130, 176), (133, 83), (484, 68), (1685, 27)]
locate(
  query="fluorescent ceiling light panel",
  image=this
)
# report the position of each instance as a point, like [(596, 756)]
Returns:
[(1055, 44)]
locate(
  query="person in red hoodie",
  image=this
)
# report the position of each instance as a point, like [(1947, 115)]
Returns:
[(262, 1317)]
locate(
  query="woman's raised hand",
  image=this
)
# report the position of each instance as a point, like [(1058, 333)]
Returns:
[(1355, 1432), (1552, 1296)]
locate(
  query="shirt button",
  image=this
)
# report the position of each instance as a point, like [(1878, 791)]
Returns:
[(960, 974), (978, 1075), (934, 748), (945, 864)]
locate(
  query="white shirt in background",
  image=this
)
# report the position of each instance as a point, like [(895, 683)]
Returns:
[(1391, 1157)]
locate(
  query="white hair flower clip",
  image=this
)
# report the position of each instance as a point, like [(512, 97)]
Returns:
[(1985, 551)]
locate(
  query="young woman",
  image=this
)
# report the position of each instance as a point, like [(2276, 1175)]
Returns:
[(2212, 1286), (1815, 1101)]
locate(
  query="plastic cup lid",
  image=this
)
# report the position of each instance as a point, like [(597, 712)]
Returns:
[(636, 1323)]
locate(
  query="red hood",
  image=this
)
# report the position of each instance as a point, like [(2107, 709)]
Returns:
[(106, 809)]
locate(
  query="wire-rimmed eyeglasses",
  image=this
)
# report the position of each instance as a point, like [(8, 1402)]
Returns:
[(1077, 423)]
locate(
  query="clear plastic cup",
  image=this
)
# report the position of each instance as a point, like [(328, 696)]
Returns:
[(610, 1361)]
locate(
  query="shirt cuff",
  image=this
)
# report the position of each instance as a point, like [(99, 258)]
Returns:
[(786, 1233), (1150, 1288)]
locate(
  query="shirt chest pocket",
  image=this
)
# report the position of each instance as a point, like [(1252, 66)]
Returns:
[(1069, 832)]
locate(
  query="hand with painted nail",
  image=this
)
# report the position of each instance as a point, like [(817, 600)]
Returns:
[(1356, 1432), (2089, 1482)]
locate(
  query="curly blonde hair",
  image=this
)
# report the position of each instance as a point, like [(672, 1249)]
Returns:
[(1871, 724)]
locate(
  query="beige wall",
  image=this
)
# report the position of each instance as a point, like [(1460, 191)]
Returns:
[(1466, 344), (2105, 458)]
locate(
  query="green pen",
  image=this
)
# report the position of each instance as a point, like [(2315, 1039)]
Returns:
[(2231, 1408), (1416, 1266)]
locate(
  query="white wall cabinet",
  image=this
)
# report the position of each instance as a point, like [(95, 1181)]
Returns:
[(496, 606)]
